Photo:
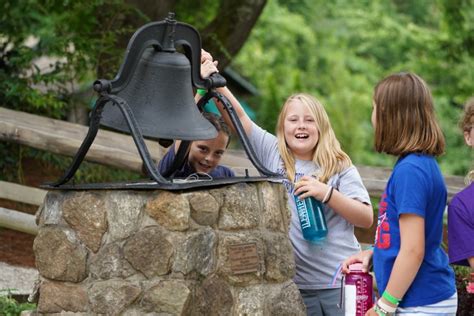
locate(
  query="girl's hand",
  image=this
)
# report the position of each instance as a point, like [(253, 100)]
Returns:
[(208, 67), (310, 186), (361, 257), (371, 312), (205, 56)]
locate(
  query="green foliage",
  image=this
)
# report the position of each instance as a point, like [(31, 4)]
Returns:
[(339, 50), (10, 307), (11, 167), (48, 48), (196, 13), (88, 172), (465, 299), (335, 50)]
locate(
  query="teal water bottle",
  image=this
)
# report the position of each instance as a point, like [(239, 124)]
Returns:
[(313, 222)]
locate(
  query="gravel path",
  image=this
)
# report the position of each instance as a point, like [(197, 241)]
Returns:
[(15, 278)]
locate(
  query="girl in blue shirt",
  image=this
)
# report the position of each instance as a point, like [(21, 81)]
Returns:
[(411, 268)]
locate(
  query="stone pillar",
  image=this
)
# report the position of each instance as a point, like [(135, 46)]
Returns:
[(221, 251)]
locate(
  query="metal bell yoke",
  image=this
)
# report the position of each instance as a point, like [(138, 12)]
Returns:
[(152, 97)]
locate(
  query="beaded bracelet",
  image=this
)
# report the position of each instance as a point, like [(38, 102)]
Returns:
[(380, 311), (386, 307)]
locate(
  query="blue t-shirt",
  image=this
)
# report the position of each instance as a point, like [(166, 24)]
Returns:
[(416, 186), (167, 160)]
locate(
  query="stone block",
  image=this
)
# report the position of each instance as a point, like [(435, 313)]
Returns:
[(168, 297), (197, 253), (241, 208), (85, 213), (213, 297), (50, 213), (284, 299), (279, 257), (149, 252), (204, 208), (112, 297), (110, 263), (170, 210), (250, 300), (57, 297), (274, 211), (124, 213), (59, 255)]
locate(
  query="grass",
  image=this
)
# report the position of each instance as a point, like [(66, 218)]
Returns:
[(11, 307)]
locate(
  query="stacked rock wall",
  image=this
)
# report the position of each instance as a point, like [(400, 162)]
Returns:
[(221, 251)]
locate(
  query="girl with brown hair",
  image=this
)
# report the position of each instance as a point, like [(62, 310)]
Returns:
[(411, 268)]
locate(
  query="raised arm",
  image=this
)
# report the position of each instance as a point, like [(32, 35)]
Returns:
[(243, 117), (239, 110)]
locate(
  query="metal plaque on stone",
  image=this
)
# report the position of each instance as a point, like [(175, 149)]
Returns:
[(243, 258)]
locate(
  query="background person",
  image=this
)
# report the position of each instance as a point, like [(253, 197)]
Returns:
[(461, 208)]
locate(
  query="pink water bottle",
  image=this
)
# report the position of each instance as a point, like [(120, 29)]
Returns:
[(358, 291)]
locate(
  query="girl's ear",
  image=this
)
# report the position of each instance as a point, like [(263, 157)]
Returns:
[(468, 139)]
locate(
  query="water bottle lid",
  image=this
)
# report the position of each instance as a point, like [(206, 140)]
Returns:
[(355, 267)]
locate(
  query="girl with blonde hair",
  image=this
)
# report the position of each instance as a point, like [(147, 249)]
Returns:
[(308, 154), (328, 152)]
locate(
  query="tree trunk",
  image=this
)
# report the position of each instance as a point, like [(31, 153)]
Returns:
[(227, 33), (223, 37), (127, 18), (155, 10)]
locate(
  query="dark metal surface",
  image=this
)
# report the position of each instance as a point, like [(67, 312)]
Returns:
[(150, 167), (175, 185), (152, 96), (241, 133), (160, 95)]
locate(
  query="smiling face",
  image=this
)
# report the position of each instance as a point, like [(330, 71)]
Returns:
[(300, 130), (205, 155)]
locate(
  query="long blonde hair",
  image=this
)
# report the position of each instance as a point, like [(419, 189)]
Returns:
[(328, 154)]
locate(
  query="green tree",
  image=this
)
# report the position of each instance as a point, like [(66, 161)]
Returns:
[(338, 51)]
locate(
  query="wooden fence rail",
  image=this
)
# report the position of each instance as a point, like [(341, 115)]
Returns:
[(18, 221), (109, 148), (20, 193)]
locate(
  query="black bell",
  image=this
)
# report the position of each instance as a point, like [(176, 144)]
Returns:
[(160, 95), (152, 96)]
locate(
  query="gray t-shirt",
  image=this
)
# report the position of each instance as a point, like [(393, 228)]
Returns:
[(315, 264)]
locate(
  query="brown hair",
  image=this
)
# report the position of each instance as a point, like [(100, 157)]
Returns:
[(467, 120), (466, 124), (328, 154), (219, 124), (405, 121)]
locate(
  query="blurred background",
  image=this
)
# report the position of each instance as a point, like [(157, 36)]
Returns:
[(52, 51)]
